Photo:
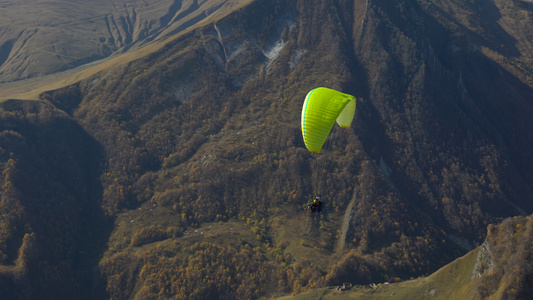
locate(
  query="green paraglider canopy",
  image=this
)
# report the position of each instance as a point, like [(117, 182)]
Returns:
[(321, 108)]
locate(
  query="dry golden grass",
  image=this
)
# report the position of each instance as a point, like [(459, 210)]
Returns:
[(30, 89), (453, 281)]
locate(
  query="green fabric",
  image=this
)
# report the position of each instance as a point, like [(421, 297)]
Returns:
[(321, 108)]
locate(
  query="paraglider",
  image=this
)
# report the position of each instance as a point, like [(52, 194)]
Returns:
[(315, 206), (321, 108)]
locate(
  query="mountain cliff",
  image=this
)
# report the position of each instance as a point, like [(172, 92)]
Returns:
[(183, 174)]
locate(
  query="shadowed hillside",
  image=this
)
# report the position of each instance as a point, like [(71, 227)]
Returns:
[(51, 224), (204, 174)]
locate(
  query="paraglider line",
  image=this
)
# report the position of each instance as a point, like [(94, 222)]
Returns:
[(323, 179)]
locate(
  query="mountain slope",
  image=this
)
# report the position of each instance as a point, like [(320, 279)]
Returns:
[(204, 172), (43, 37), (49, 206), (495, 270)]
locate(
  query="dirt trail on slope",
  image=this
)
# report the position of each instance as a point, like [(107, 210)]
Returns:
[(346, 222)]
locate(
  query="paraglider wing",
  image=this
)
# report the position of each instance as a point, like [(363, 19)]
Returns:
[(322, 106)]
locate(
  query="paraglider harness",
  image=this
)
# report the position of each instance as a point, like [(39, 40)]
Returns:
[(315, 206)]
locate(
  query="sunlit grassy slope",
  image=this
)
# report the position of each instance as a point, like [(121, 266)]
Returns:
[(453, 281), (30, 89)]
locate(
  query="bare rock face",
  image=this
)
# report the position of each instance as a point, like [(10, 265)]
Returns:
[(484, 261)]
